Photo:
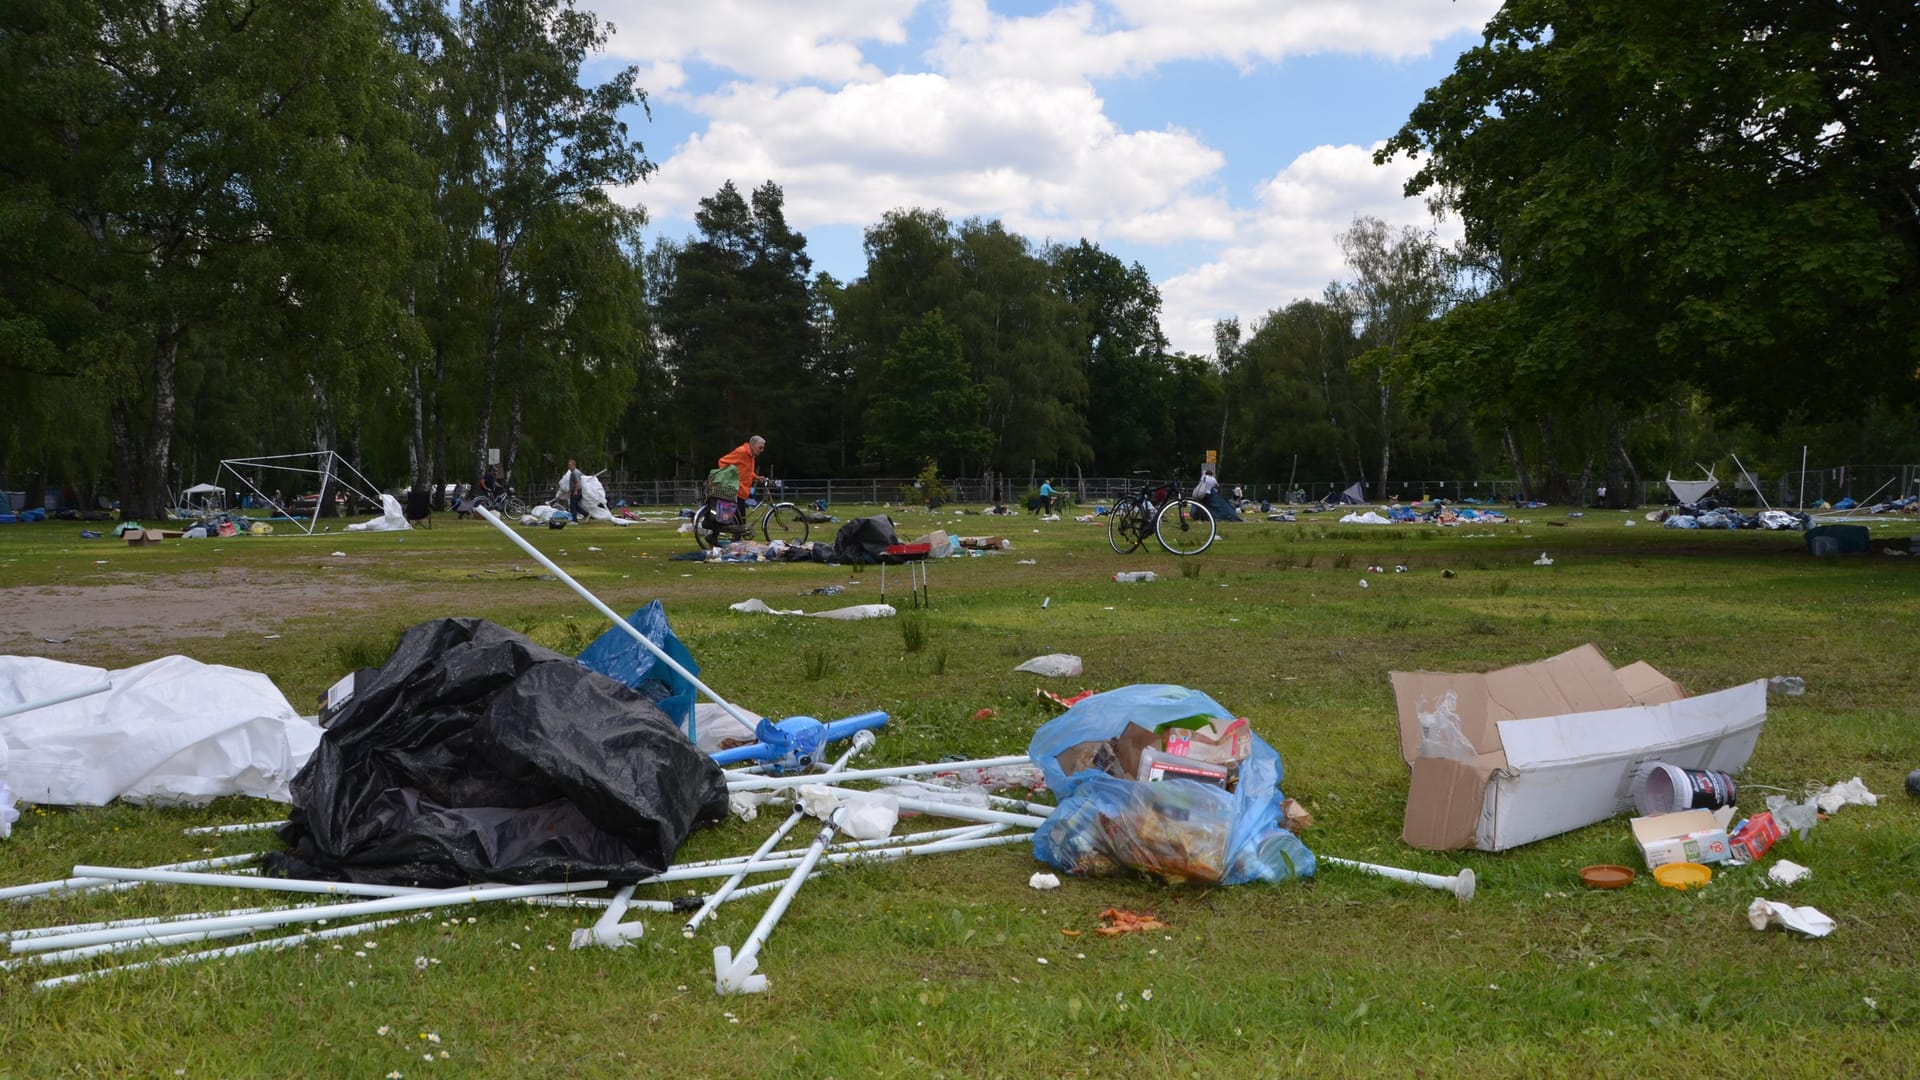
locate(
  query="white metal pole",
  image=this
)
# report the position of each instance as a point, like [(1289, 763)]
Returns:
[(861, 740), (1460, 885), (437, 898), (270, 884), (1803, 477), (100, 687), (251, 826), (838, 857), (25, 892), (505, 530), (765, 783), (958, 832), (1019, 806), (733, 975), (969, 813), (271, 944), (149, 920)]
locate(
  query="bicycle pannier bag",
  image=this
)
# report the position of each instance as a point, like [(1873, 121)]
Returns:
[(726, 511)]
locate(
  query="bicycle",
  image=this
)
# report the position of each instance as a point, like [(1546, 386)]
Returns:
[(777, 521), (1183, 526), (505, 503)]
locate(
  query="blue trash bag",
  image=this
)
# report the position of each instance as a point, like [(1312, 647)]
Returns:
[(1176, 829), (1681, 521), (619, 657)]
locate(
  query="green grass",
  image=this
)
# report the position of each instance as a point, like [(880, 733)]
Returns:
[(932, 969)]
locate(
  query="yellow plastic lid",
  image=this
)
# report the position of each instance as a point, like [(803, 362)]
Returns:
[(1682, 875)]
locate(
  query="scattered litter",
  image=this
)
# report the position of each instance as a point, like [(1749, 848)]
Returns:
[(1606, 876), (1128, 576), (1028, 562), (1053, 665), (1913, 783), (1795, 817), (1044, 881), (1117, 921), (1044, 603), (1787, 685), (1400, 569), (985, 714), (1543, 560), (1808, 920), (1446, 573), (1851, 793), (1682, 875), (1363, 583), (1786, 872), (339, 554), (858, 611)]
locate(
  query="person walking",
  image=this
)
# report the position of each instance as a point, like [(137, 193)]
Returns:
[(573, 487), (1046, 497), (742, 458)]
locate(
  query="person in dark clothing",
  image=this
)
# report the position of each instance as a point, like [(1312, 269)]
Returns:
[(573, 488)]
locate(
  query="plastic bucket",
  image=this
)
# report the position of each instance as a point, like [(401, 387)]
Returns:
[(1664, 789)]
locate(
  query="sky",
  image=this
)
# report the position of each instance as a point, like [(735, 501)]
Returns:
[(1221, 144)]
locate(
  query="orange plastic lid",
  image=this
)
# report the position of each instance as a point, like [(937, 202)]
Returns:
[(1682, 875), (1606, 876)]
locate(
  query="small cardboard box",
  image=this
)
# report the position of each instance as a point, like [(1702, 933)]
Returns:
[(139, 537), (1546, 747), (1686, 836)]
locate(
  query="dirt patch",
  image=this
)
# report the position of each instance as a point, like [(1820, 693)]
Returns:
[(54, 620)]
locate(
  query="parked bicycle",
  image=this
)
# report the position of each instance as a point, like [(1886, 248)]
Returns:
[(718, 520), (1157, 509)]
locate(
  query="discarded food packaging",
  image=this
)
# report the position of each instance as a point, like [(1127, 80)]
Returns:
[(1606, 876), (1682, 875)]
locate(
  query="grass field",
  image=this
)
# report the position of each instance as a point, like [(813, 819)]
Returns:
[(952, 966)]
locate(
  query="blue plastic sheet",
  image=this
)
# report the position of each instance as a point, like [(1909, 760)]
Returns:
[(1176, 829), (617, 656)]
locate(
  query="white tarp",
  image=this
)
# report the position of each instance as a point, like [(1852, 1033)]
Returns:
[(172, 730), (593, 499), (391, 518), (757, 606)]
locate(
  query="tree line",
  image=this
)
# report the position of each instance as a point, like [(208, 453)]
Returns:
[(388, 228)]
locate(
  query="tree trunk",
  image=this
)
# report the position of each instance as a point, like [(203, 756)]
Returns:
[(1525, 493), (439, 460), (324, 438), (1386, 431), (513, 432), (1624, 485), (143, 457)]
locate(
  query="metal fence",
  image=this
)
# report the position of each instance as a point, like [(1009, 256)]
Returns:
[(1781, 488)]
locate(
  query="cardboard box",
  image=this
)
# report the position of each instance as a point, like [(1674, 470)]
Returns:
[(138, 537), (1698, 836), (1551, 746)]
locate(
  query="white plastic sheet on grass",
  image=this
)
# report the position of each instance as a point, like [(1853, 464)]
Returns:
[(857, 611), (391, 519), (172, 730)]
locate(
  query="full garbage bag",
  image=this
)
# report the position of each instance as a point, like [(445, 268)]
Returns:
[(474, 754), (1177, 829)]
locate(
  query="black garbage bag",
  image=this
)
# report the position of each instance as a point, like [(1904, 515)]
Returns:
[(475, 755), (864, 540)]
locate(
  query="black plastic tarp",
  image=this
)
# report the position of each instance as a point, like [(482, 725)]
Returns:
[(476, 755)]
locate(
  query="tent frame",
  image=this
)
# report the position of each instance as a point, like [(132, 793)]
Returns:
[(333, 470)]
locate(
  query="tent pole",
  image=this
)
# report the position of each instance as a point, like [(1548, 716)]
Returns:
[(493, 519)]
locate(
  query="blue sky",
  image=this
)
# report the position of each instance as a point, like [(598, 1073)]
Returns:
[(1221, 144)]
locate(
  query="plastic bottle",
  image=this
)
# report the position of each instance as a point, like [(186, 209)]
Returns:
[(1134, 575)]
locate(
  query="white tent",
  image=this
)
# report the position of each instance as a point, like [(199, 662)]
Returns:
[(593, 498)]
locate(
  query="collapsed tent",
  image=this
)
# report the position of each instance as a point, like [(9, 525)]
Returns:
[(392, 518), (1220, 508), (172, 730), (593, 499), (474, 754), (1353, 496)]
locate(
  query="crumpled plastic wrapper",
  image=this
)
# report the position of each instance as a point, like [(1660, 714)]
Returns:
[(867, 816), (1043, 881), (1851, 793), (1807, 920), (1786, 872), (1053, 665)]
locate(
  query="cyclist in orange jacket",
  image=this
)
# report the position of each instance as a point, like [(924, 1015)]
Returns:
[(742, 458)]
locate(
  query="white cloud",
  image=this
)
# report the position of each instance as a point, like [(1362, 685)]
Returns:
[(1130, 37), (783, 41), (1044, 158), (1291, 251)]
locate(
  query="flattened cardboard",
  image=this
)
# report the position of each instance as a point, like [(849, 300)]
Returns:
[(1559, 742)]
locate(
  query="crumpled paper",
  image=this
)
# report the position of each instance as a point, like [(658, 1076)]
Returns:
[(1053, 665), (1043, 881), (1808, 920)]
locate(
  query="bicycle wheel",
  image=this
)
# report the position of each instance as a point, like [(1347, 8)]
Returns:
[(784, 521), (1184, 527), (706, 529), (1124, 531)]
